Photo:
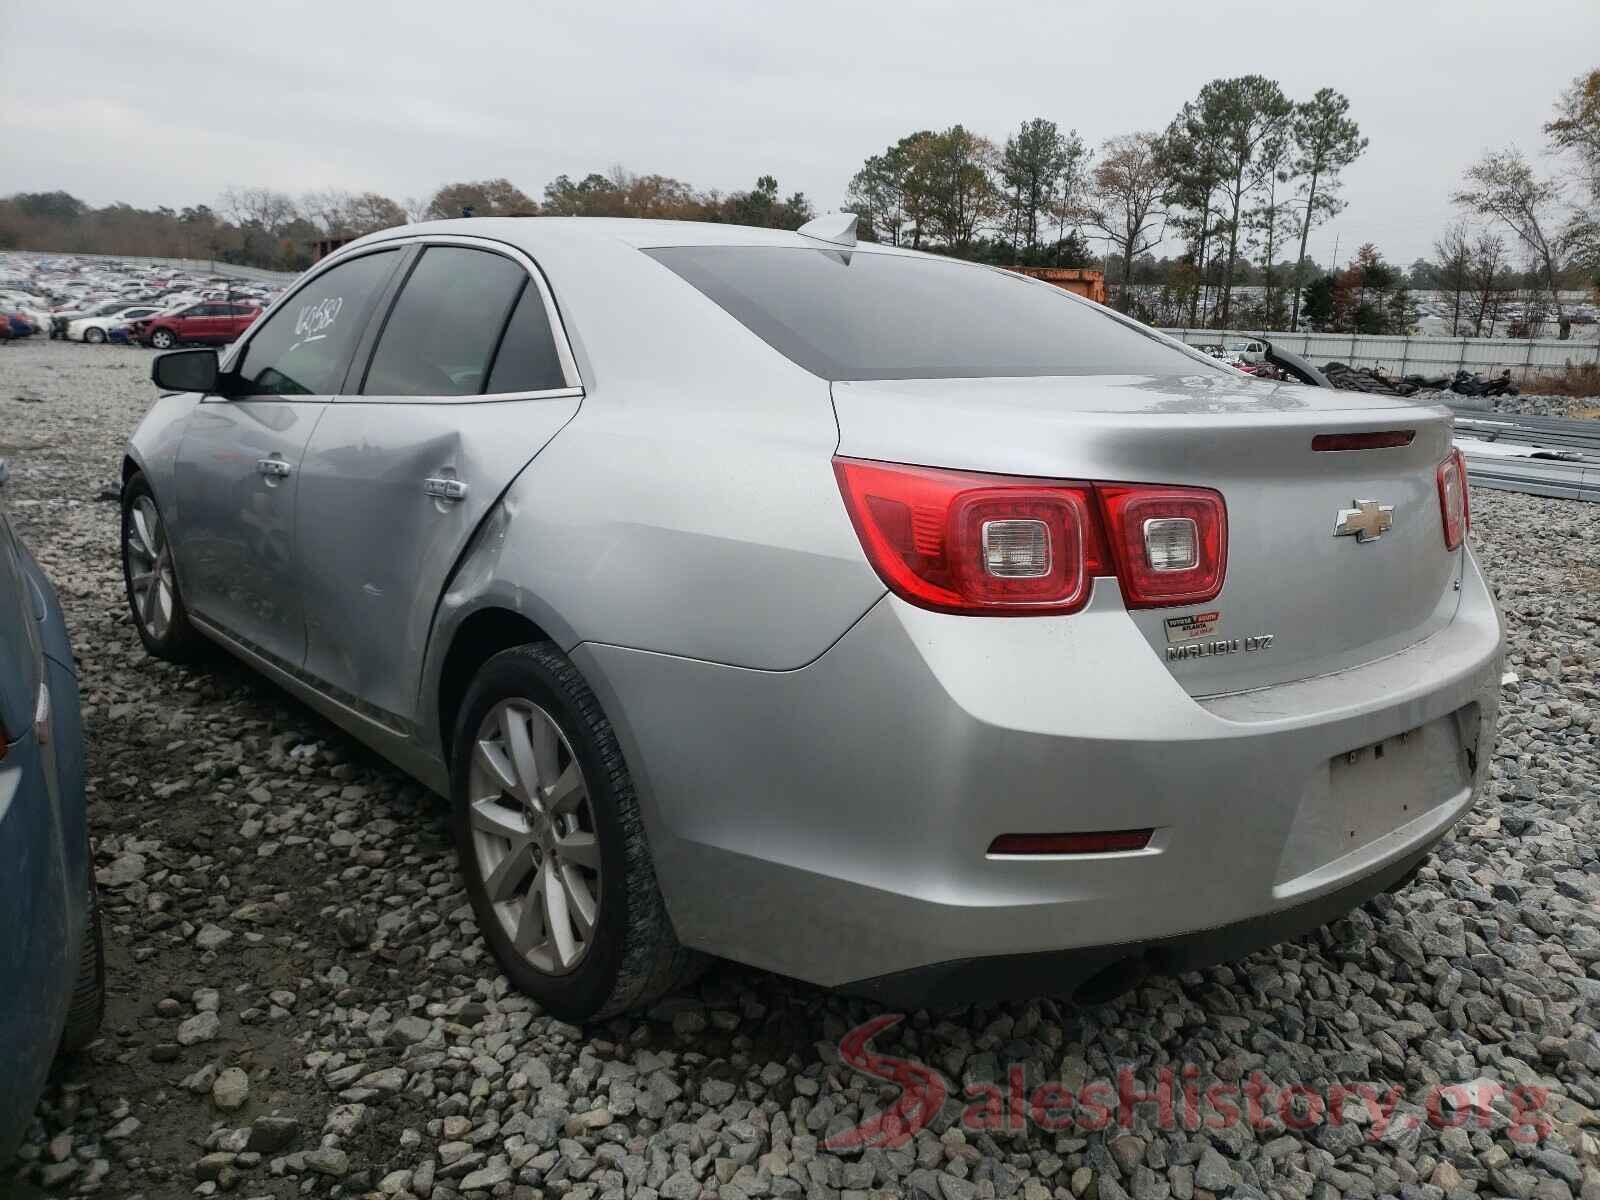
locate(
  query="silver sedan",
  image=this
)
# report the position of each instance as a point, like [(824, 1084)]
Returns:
[(888, 621)]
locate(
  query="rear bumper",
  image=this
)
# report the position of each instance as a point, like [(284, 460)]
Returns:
[(1104, 971), (832, 822)]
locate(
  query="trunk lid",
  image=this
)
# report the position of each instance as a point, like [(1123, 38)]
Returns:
[(1297, 600)]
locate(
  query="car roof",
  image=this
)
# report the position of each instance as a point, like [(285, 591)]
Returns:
[(531, 233)]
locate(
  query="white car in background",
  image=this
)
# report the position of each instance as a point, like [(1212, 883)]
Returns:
[(98, 329)]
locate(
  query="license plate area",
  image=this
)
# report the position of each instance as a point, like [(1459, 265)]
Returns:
[(1371, 790)]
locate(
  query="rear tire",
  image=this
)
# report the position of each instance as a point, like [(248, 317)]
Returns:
[(149, 575), (519, 838), (94, 336), (89, 992)]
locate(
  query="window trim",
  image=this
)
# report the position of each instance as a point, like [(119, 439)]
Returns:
[(534, 273), (241, 345)]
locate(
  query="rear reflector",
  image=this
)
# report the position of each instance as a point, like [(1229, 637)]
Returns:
[(1105, 842), (1383, 440)]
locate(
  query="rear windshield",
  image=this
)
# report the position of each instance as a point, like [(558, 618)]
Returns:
[(867, 315)]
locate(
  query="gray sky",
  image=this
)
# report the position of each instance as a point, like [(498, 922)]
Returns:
[(152, 106)]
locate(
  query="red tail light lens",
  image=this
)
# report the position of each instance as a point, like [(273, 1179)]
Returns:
[(1454, 508), (1170, 544), (955, 541)]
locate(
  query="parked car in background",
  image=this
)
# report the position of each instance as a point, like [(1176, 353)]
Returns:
[(19, 325), (51, 961), (210, 322), (897, 623), (98, 329), (1247, 350), (63, 316)]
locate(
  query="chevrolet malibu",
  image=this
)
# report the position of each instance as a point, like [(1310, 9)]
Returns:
[(896, 623)]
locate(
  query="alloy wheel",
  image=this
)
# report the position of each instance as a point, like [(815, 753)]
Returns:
[(151, 579), (533, 834)]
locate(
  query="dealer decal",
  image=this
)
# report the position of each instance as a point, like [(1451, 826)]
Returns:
[(1191, 626)]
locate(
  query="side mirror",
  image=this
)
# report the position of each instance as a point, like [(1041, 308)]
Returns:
[(185, 371)]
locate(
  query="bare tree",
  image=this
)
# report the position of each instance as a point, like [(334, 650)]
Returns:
[(272, 211), (1576, 129), (1575, 135), (1487, 274), (1454, 250), (1503, 186), (1125, 197)]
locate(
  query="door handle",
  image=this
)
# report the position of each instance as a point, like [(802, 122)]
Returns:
[(444, 489), (273, 468)]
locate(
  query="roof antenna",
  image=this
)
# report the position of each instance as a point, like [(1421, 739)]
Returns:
[(837, 229)]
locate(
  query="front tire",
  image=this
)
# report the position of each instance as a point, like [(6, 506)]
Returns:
[(163, 339), (149, 574), (94, 337), (552, 845)]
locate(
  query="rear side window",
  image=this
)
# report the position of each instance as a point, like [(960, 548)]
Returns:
[(868, 315), (303, 349), (442, 332), (527, 361)]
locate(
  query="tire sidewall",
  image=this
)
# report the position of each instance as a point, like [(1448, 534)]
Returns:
[(94, 336), (136, 487), (524, 673), (162, 340)]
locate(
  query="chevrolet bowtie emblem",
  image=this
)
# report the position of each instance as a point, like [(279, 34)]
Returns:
[(1367, 521)]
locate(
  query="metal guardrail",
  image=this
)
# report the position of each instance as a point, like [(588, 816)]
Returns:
[(1534, 476), (1415, 355), (1542, 456)]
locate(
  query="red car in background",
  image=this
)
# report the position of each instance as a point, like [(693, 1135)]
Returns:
[(212, 322)]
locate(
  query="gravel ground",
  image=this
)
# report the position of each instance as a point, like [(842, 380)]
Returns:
[(1531, 405), (299, 1003)]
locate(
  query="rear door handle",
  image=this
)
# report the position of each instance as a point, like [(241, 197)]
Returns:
[(444, 489), (273, 468)]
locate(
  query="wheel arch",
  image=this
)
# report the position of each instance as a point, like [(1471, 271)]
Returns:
[(478, 638)]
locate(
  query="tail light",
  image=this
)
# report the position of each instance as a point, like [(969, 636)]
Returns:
[(1171, 544), (999, 545), (958, 542), (1454, 508)]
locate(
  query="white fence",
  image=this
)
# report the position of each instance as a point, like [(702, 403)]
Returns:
[(204, 266), (1415, 355)]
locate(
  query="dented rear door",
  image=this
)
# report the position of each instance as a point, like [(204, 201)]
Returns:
[(468, 379)]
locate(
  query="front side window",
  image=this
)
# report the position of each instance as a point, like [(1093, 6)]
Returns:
[(868, 315), (303, 349), (441, 334)]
